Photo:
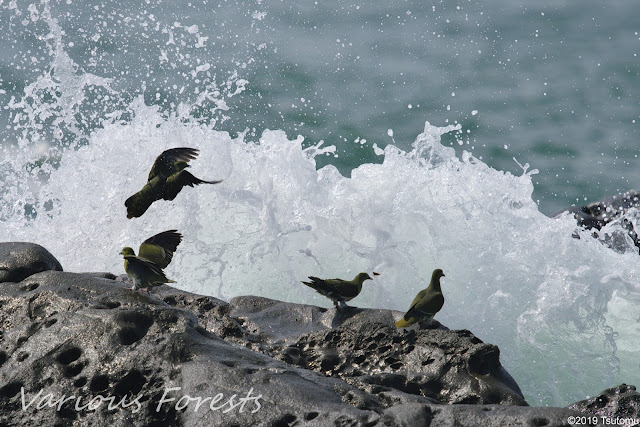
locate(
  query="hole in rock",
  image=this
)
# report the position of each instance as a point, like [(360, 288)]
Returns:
[(11, 389), (71, 371), (69, 355), (99, 383), (130, 384)]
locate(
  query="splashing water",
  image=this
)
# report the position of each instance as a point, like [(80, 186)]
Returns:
[(564, 311)]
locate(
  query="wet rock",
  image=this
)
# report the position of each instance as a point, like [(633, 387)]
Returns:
[(621, 402), (600, 213), (19, 260), (476, 415), (611, 220)]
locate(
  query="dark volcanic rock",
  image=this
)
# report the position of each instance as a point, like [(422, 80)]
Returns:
[(622, 402), (364, 348), (19, 260), (81, 349), (413, 415), (611, 210), (600, 213), (78, 336)]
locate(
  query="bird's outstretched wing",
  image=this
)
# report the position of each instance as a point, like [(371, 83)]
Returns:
[(159, 249), (165, 163), (178, 180)]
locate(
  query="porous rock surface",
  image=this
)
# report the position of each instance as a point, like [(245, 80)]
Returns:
[(70, 342), (602, 212), (621, 402), (614, 210), (364, 348)]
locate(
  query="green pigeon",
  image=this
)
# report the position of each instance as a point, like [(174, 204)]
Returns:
[(154, 254), (426, 304), (167, 177), (338, 290)]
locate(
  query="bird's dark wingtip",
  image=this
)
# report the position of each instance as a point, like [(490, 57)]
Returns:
[(202, 181)]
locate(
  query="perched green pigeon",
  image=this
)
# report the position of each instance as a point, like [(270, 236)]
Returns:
[(154, 254), (338, 290), (426, 304), (167, 177)]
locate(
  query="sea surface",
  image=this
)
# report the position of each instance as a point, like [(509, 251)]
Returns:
[(394, 136)]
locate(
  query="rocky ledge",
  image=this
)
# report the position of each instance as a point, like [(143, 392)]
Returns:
[(613, 220), (82, 349)]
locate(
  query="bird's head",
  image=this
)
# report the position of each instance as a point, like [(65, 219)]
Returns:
[(361, 277), (127, 251), (129, 205), (437, 274)]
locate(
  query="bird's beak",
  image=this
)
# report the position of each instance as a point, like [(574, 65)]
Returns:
[(120, 253)]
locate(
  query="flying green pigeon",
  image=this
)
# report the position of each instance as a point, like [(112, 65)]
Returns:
[(338, 290), (426, 304), (154, 254), (167, 177)]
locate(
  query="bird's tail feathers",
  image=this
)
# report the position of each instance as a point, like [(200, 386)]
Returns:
[(190, 180), (316, 283), (403, 323)]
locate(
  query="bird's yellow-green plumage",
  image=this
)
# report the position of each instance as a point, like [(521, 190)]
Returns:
[(167, 177), (338, 290), (159, 249), (426, 304), (154, 254)]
